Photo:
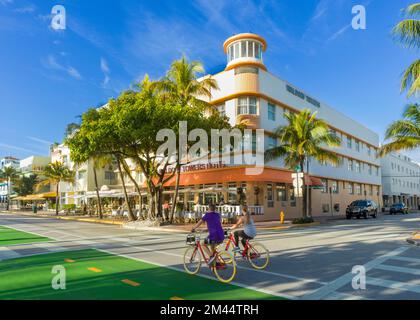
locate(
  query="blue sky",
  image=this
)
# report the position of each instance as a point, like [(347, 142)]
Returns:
[(48, 77)]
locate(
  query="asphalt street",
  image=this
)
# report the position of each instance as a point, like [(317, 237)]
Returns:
[(306, 263)]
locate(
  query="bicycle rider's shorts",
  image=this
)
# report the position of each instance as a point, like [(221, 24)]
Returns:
[(210, 241)]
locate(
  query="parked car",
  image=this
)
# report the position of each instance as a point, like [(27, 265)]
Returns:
[(362, 208), (398, 208)]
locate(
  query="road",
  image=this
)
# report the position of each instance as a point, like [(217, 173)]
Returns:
[(306, 263)]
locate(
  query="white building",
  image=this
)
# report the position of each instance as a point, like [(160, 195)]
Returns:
[(248, 91), (75, 193), (4, 185), (400, 180)]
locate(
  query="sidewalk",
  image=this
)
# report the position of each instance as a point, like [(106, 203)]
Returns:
[(181, 228)]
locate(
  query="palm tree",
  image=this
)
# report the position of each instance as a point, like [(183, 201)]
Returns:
[(100, 161), (304, 137), (55, 173), (404, 134), (181, 86), (8, 173), (408, 33)]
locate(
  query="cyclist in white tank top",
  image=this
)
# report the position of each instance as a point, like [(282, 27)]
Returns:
[(249, 231)]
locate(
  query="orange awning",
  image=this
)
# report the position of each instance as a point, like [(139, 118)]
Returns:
[(239, 175)]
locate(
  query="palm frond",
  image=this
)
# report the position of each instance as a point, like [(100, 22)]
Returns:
[(408, 33)]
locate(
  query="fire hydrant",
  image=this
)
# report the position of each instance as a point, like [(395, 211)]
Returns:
[(281, 217)]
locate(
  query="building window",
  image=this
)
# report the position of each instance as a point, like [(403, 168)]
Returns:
[(324, 185), (358, 189), (232, 193), (357, 145), (371, 190), (247, 105), (292, 197), (270, 196), (325, 208), (357, 165), (370, 169), (271, 112), (349, 142), (369, 151), (350, 188), (222, 109), (377, 171), (350, 165), (334, 187), (272, 142), (244, 49), (281, 192), (109, 175)]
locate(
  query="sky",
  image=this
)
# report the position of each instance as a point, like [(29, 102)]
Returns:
[(49, 77)]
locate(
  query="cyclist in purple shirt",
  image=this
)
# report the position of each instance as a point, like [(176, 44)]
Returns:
[(216, 233)]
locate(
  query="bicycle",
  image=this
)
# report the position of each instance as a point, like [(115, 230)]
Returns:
[(256, 253), (223, 266)]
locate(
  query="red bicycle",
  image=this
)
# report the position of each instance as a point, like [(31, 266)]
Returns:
[(223, 266), (256, 253)]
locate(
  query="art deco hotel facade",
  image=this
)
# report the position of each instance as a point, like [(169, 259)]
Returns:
[(248, 91)]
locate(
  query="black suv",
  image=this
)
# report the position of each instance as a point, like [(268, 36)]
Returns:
[(398, 208), (362, 208)]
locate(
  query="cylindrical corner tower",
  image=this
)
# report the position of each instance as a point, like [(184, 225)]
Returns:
[(245, 49)]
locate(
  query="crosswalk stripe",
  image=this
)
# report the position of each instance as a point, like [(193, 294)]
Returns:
[(344, 296), (6, 253), (406, 259), (398, 269), (393, 284)]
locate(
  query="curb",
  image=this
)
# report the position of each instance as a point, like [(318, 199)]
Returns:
[(69, 218)]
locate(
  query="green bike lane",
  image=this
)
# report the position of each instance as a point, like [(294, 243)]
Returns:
[(96, 274)]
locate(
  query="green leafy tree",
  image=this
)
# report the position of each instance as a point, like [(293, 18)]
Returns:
[(181, 87), (302, 138), (404, 134), (10, 174), (408, 33), (54, 173), (25, 185)]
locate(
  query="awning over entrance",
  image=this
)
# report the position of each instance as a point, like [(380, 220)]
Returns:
[(37, 197), (238, 174)]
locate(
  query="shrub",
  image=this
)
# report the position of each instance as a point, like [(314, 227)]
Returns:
[(303, 220)]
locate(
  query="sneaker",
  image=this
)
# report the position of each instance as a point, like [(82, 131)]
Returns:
[(236, 250)]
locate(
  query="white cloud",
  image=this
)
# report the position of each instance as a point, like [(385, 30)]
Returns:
[(5, 2), (105, 70), (339, 33), (39, 140), (12, 147), (51, 63), (27, 9)]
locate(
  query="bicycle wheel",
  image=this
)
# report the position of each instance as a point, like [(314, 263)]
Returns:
[(225, 267), (192, 260), (258, 255), (229, 249)]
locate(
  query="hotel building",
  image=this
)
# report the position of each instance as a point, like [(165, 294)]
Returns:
[(248, 91), (4, 184), (400, 180), (84, 184)]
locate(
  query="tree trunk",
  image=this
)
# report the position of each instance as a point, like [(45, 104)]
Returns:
[(151, 214), (97, 193), (302, 163), (9, 183), (136, 185), (175, 200), (57, 197), (308, 203), (130, 212)]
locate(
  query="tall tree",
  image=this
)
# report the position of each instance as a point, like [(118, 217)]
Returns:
[(182, 87), (304, 137), (404, 134), (56, 172), (25, 185), (408, 33), (9, 174)]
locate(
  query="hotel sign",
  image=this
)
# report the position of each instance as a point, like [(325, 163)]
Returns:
[(303, 96), (199, 167)]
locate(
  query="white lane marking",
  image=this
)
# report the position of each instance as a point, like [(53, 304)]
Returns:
[(398, 269), (22, 230), (393, 284), (344, 296), (266, 291), (6, 253), (406, 259), (51, 247), (346, 278)]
